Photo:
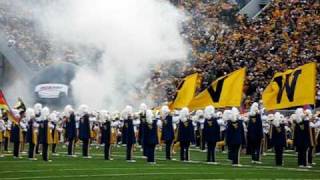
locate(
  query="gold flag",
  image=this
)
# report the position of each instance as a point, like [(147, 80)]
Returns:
[(185, 93), (226, 91), (294, 87)]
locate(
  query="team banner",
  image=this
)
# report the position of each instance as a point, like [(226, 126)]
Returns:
[(226, 91), (294, 87), (4, 105), (186, 91)]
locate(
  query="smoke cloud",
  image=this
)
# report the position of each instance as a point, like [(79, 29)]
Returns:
[(131, 36), (17, 88)]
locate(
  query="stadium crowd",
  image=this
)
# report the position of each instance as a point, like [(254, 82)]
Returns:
[(285, 35)]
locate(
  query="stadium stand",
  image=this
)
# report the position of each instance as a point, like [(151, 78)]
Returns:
[(285, 35)]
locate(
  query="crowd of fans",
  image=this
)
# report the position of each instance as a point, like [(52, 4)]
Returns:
[(285, 35)]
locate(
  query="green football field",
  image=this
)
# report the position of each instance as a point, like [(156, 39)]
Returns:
[(63, 167)]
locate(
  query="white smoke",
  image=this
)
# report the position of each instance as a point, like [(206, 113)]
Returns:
[(18, 88), (132, 34)]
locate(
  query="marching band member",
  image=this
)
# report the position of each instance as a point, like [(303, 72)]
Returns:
[(32, 133), (143, 123), (71, 129), (302, 138), (95, 129), (55, 132), (176, 120), (227, 117), (61, 128), (84, 130), (46, 138), (199, 130), (255, 133), (23, 125), (278, 138), (122, 118), (167, 134), (313, 135), (106, 134), (317, 126), (128, 128), (235, 136), (116, 126), (185, 134), (211, 133), (151, 136), (16, 135), (136, 125), (37, 109), (157, 117), (2, 130), (270, 119), (222, 124), (290, 130), (7, 132), (20, 106), (266, 129)]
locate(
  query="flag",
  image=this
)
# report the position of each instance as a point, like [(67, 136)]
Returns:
[(186, 91), (4, 105), (294, 87), (3, 102), (226, 91)]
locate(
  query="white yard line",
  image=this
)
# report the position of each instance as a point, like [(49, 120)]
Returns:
[(105, 175), (267, 154), (94, 169), (257, 167)]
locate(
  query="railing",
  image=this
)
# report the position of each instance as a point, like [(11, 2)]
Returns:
[(253, 8), (265, 7)]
